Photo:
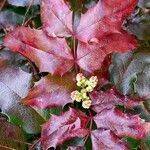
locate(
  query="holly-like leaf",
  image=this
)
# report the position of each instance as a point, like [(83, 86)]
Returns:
[(109, 99), (144, 3), (139, 26), (66, 126), (52, 54), (9, 19), (106, 140), (87, 54), (121, 124), (51, 91), (14, 85), (106, 17), (49, 54), (75, 148), (56, 18), (130, 73), (11, 136), (23, 2)]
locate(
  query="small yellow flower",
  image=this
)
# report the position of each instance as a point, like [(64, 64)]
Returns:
[(86, 104), (86, 87), (92, 82), (89, 88), (81, 80), (84, 94), (76, 96)]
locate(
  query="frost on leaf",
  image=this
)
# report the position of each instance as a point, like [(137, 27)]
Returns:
[(66, 126)]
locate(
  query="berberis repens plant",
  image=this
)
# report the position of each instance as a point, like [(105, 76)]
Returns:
[(72, 52)]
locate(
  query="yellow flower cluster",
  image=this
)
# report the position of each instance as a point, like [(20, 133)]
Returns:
[(86, 87)]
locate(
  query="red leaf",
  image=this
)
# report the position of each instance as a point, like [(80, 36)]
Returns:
[(75, 148), (49, 54), (56, 17), (66, 126), (51, 91), (121, 124), (90, 57), (106, 17), (108, 99), (11, 136), (53, 55), (106, 140)]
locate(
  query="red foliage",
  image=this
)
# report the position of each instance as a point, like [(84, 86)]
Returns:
[(98, 37), (105, 139), (68, 125), (99, 33), (51, 91), (49, 54), (120, 123), (106, 100)]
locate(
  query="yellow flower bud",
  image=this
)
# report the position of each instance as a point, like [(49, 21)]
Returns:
[(92, 82), (86, 87), (89, 89), (84, 94), (76, 96), (86, 104), (79, 76), (81, 80)]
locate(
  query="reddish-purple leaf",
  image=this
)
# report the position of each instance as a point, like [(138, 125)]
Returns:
[(23, 3), (121, 124), (51, 91), (109, 99), (49, 54), (52, 55), (106, 17), (56, 17), (11, 136), (75, 148), (66, 126), (106, 140), (87, 54), (9, 19), (14, 85)]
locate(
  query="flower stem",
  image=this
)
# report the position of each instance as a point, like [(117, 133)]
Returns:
[(90, 128), (33, 146), (75, 54)]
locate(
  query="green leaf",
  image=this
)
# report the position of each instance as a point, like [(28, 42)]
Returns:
[(134, 144), (130, 72), (147, 141)]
